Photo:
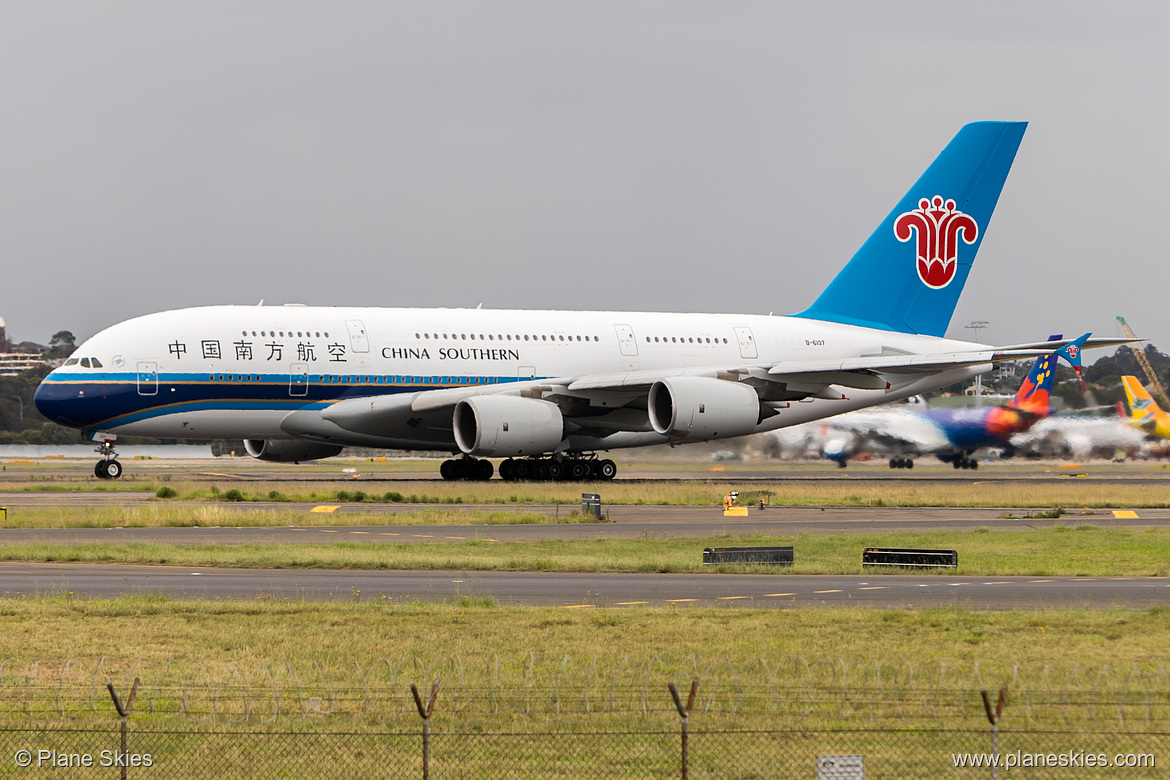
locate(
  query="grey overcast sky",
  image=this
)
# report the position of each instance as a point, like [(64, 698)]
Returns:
[(603, 155)]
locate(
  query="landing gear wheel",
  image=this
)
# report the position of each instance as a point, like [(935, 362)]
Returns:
[(606, 469), (99, 469), (579, 470), (522, 470), (484, 470), (506, 470), (909, 464), (445, 470), (555, 470), (113, 469)]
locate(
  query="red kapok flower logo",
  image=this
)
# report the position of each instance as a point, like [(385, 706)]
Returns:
[(939, 227)]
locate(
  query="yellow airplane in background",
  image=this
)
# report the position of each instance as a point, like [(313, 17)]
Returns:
[(1144, 413)]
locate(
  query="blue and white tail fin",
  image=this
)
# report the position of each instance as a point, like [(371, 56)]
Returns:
[(908, 275)]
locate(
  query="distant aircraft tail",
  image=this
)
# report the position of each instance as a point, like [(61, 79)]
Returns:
[(1142, 408), (1035, 394), (908, 275)]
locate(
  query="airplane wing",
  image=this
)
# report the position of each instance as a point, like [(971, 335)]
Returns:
[(617, 402)]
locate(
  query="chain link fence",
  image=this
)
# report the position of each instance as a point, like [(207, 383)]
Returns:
[(580, 718), (635, 753)]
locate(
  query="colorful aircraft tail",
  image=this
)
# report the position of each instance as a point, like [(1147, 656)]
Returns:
[(1035, 394), (908, 275), (1142, 408)]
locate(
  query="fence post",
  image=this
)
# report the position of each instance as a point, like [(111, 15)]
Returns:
[(993, 716), (123, 713), (425, 714), (683, 712)]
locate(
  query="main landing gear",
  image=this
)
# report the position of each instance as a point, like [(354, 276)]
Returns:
[(557, 470), (529, 469), (960, 460), (108, 467), (901, 463), (467, 468)]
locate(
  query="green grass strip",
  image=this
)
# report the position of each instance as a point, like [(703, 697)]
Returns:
[(1062, 551)]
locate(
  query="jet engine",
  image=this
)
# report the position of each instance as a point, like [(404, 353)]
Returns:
[(507, 425), (700, 408), (289, 450)]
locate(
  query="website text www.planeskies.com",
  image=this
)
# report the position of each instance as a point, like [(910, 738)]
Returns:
[(1069, 758)]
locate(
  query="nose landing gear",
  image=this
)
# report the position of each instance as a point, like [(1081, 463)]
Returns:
[(108, 467)]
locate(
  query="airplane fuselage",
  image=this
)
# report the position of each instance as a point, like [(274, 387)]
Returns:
[(240, 371)]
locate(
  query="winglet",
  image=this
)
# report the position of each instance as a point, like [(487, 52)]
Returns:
[(1072, 351)]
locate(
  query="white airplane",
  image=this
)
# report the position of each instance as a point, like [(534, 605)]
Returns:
[(547, 390)]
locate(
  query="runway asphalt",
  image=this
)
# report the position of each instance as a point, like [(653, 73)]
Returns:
[(627, 522), (587, 591), (572, 591)]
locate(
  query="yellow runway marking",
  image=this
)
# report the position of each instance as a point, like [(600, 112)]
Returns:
[(826, 591), (1001, 582), (1039, 580), (423, 536), (1125, 514), (874, 587), (1121, 578), (389, 534), (456, 537), (728, 598), (676, 601), (578, 606), (324, 509), (213, 474), (327, 531), (628, 603), (359, 532), (779, 594)]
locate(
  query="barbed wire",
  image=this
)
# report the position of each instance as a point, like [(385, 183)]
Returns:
[(784, 689)]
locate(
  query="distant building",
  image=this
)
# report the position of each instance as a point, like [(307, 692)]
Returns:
[(14, 363)]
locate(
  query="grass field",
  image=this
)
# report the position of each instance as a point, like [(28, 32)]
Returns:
[(218, 634), (856, 492), (1083, 550), (157, 515)]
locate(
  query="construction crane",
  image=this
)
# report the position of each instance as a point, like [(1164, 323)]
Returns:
[(1155, 384)]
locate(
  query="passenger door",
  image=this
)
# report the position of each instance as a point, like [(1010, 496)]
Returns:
[(147, 377), (626, 341), (358, 340), (298, 379), (747, 342)]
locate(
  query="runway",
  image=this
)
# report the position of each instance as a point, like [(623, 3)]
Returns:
[(627, 522), (586, 590)]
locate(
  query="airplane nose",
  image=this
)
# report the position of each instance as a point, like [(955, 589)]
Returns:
[(58, 402)]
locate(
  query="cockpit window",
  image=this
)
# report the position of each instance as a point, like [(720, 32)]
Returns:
[(72, 361), (96, 363), (85, 362)]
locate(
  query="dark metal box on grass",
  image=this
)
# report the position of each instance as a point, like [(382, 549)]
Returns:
[(909, 557), (776, 556)]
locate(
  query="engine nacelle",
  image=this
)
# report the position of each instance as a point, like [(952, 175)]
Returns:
[(507, 425), (289, 450), (700, 408)]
